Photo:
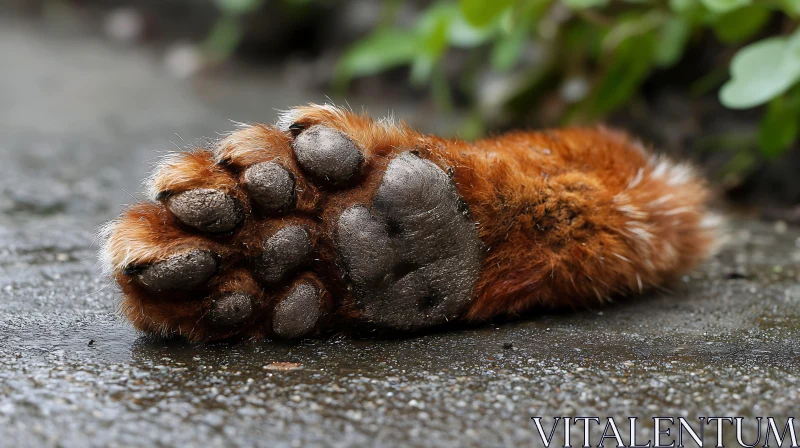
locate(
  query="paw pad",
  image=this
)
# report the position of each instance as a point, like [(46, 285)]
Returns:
[(396, 244), (270, 186), (284, 252), (230, 310), (206, 209), (327, 154), (297, 315), (414, 259), (184, 271)]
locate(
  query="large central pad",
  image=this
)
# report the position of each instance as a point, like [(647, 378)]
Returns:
[(413, 255)]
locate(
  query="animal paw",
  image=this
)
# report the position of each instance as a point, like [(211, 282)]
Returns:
[(326, 222)]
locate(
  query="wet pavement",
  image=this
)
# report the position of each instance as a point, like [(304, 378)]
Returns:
[(82, 120)]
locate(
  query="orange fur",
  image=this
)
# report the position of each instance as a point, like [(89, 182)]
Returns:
[(569, 217)]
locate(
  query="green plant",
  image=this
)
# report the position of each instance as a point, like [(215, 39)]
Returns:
[(614, 46), (226, 33)]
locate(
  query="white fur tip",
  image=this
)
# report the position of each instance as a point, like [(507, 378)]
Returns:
[(287, 117), (104, 253)]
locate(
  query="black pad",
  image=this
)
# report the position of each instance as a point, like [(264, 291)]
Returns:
[(327, 154), (206, 209), (414, 258), (270, 186), (296, 316), (230, 310), (284, 252), (183, 271)]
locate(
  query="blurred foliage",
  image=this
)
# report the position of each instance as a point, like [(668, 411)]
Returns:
[(598, 52), (226, 34)]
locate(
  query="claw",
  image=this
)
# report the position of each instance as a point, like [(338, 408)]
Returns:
[(296, 129), (133, 269)]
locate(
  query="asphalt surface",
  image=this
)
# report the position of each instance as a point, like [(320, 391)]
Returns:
[(82, 120)]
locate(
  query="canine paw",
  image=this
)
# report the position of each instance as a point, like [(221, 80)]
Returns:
[(328, 220)]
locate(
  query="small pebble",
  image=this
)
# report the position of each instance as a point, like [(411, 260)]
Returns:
[(283, 366)]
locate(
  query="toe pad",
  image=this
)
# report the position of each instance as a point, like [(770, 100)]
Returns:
[(297, 315), (284, 252), (230, 310), (270, 186), (206, 209), (327, 154), (184, 271)]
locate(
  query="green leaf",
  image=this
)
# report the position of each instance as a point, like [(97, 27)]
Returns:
[(673, 37), (508, 49), (432, 33), (460, 33), (223, 39), (433, 43), (583, 4), (723, 6), (237, 7), (435, 38), (779, 127), (481, 13), (793, 43), (741, 24), (683, 6), (761, 71), (692, 11), (584, 40), (791, 7), (629, 65), (382, 50)]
